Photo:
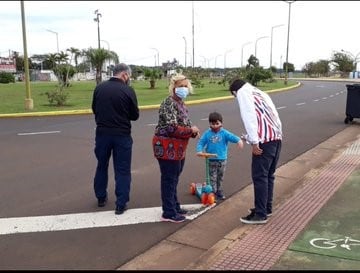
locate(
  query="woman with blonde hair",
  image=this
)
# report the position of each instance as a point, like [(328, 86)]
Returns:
[(172, 134)]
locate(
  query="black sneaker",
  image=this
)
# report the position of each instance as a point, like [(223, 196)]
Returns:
[(220, 196), (102, 202), (182, 211), (178, 218), (252, 210), (253, 219), (120, 210)]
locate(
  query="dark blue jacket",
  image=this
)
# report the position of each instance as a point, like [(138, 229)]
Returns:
[(115, 106)]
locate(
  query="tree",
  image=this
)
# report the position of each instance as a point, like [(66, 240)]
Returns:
[(342, 63), (290, 68), (320, 68), (97, 58), (152, 75), (252, 61)]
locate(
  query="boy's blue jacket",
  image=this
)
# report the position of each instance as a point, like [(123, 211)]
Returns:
[(216, 143)]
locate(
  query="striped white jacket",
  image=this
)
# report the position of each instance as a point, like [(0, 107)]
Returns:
[(259, 115)]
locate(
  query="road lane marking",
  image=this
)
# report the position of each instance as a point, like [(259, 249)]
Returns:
[(281, 107), (39, 133), (300, 103), (91, 219)]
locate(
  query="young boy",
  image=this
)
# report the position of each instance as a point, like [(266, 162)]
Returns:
[(215, 141)]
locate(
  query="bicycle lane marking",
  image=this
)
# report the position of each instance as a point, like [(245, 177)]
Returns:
[(72, 221), (326, 243)]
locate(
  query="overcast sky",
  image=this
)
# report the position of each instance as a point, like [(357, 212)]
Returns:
[(138, 31)]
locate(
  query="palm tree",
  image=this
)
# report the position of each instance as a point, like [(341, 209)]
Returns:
[(152, 75), (97, 58)]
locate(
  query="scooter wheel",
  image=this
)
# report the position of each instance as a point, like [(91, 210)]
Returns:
[(192, 188), (211, 199), (204, 198)]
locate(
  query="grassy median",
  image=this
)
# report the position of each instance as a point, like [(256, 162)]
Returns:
[(12, 95)]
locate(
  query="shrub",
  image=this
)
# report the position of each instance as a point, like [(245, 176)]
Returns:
[(6, 77)]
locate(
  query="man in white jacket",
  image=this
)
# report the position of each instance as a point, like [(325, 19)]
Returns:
[(264, 133)]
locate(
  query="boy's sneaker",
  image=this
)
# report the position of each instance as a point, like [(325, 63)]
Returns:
[(178, 218), (252, 210), (253, 219), (220, 196)]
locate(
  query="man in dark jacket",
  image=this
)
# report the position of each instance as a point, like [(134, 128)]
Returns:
[(114, 105)]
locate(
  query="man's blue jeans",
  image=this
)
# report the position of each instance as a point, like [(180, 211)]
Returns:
[(121, 149), (263, 168), (170, 173)]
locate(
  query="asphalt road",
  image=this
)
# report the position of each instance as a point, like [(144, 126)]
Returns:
[(47, 167)]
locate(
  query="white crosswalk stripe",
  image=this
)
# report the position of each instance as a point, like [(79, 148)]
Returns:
[(90, 220)]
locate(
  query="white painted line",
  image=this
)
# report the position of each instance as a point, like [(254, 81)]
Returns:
[(301, 103), (90, 220), (324, 98), (204, 119), (151, 124), (281, 107), (39, 133), (331, 96), (316, 100)]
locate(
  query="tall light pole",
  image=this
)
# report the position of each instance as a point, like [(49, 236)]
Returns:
[(263, 37), (242, 52), (287, 44), (193, 38), (216, 59), (226, 52), (29, 104), (355, 58), (158, 63), (185, 49), (272, 29), (205, 59), (57, 38), (98, 25)]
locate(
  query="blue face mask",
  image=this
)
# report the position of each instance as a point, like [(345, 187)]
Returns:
[(181, 92)]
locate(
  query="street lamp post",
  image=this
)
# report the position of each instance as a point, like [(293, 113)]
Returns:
[(205, 59), (98, 25), (216, 59), (271, 43), (29, 104), (57, 38), (287, 44), (263, 37), (158, 63), (242, 52), (226, 52), (193, 36), (185, 49)]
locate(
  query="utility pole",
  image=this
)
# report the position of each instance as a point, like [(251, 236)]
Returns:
[(29, 104), (98, 25), (287, 44), (193, 39), (185, 50)]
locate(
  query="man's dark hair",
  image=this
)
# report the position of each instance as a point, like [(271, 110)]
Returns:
[(215, 116), (236, 85), (120, 68)]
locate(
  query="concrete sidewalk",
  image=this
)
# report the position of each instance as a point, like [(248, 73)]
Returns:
[(302, 190)]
